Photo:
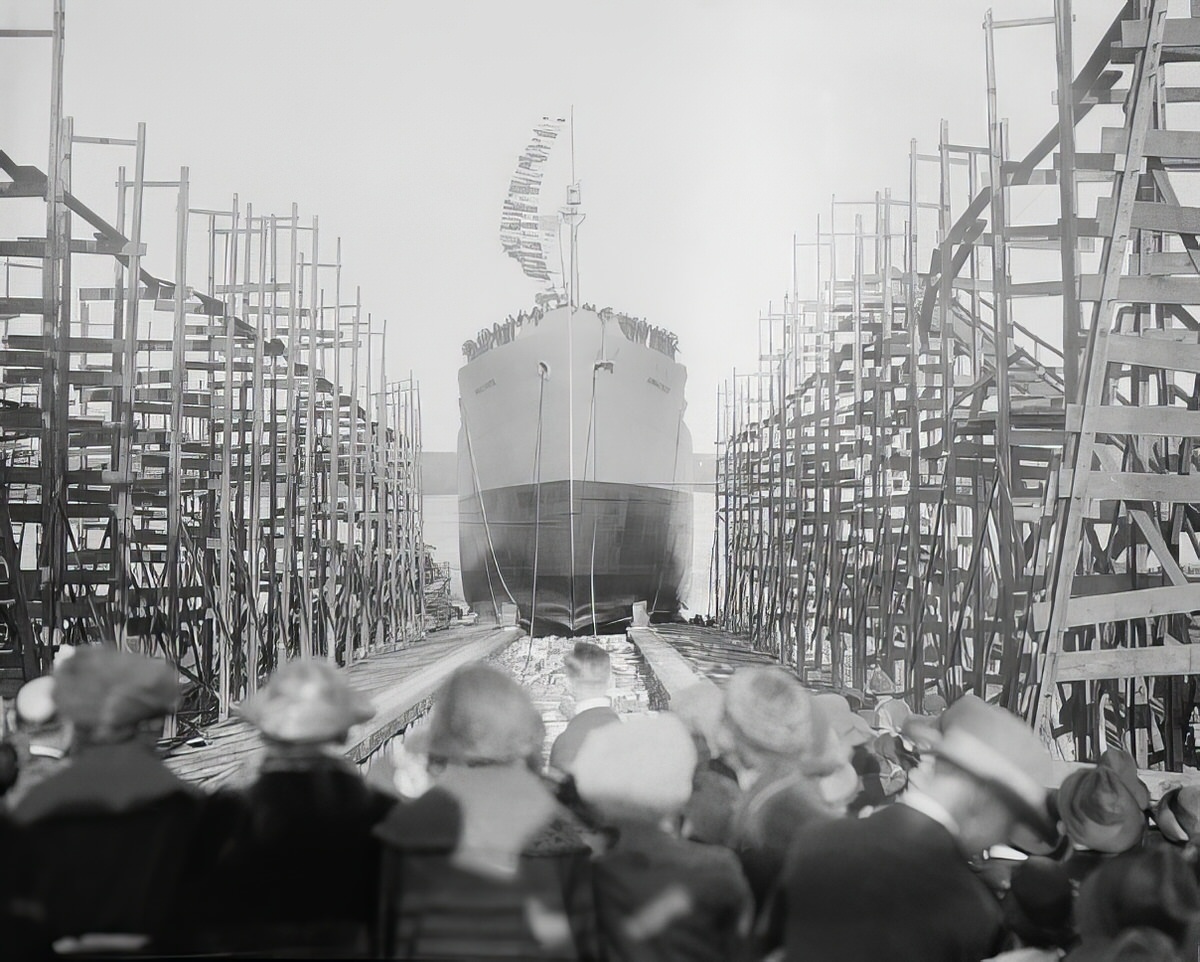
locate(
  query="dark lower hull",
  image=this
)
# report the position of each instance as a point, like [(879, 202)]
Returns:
[(631, 543)]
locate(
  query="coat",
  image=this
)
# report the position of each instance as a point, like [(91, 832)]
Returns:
[(767, 817), (104, 843), (566, 746), (664, 899), (891, 886), (484, 865), (294, 866)]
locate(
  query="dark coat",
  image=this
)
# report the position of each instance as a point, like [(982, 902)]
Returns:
[(891, 886), (440, 902), (664, 899), (295, 866), (103, 844), (767, 817), (566, 746)]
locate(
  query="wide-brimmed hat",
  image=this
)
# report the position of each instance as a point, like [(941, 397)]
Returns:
[(306, 702), (1121, 762), (1099, 812), (998, 748), (480, 716), (849, 728), (106, 691), (641, 769), (1178, 813), (769, 710), (35, 701)]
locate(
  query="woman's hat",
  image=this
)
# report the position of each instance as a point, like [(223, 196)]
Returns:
[(106, 691), (482, 716), (641, 769), (769, 710), (35, 701), (1099, 812), (850, 728), (997, 747), (701, 707), (306, 702), (1178, 813)]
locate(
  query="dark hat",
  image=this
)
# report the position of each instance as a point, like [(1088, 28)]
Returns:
[(1039, 902), (481, 715), (768, 709), (104, 691), (1178, 813), (1099, 812), (997, 747), (1121, 762)]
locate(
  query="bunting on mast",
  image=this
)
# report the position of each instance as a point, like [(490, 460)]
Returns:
[(527, 235)]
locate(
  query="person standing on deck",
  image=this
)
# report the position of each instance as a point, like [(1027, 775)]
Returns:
[(898, 885), (589, 676)]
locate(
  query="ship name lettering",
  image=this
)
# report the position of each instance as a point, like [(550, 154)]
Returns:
[(490, 382), (658, 384)]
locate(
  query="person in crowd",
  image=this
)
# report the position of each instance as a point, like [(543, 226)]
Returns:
[(297, 873), (104, 839), (1177, 816), (659, 897), (1153, 889), (779, 744), (589, 678), (1039, 905), (708, 813), (41, 738), (485, 864), (855, 782), (898, 885), (1101, 817)]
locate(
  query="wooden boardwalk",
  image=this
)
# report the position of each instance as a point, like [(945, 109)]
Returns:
[(401, 684), (681, 655)]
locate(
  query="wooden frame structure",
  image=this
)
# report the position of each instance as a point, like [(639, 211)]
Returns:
[(916, 480), (178, 475)]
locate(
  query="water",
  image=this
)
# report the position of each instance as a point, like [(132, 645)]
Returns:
[(441, 530)]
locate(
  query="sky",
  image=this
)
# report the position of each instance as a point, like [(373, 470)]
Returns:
[(708, 134)]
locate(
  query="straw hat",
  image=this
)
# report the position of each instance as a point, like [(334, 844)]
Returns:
[(769, 710), (306, 702), (639, 770), (483, 716), (1178, 813), (35, 701), (106, 691), (1099, 812), (997, 747)]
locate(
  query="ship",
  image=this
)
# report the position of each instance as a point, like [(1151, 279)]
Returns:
[(574, 459)]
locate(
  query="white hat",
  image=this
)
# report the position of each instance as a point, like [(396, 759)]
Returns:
[(639, 770), (35, 701)]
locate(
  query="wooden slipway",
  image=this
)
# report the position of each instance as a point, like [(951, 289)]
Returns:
[(401, 684)]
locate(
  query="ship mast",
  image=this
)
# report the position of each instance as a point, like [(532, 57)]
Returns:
[(574, 217)]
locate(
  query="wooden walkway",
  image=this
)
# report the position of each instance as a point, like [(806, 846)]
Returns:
[(401, 684), (681, 655)]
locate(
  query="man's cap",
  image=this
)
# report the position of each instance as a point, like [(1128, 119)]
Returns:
[(104, 690)]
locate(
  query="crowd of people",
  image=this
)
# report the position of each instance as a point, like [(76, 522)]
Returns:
[(752, 820)]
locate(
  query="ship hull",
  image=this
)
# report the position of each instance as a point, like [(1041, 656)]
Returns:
[(573, 463), (630, 544)]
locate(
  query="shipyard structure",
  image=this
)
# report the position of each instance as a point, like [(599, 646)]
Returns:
[(967, 455), (202, 454)]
